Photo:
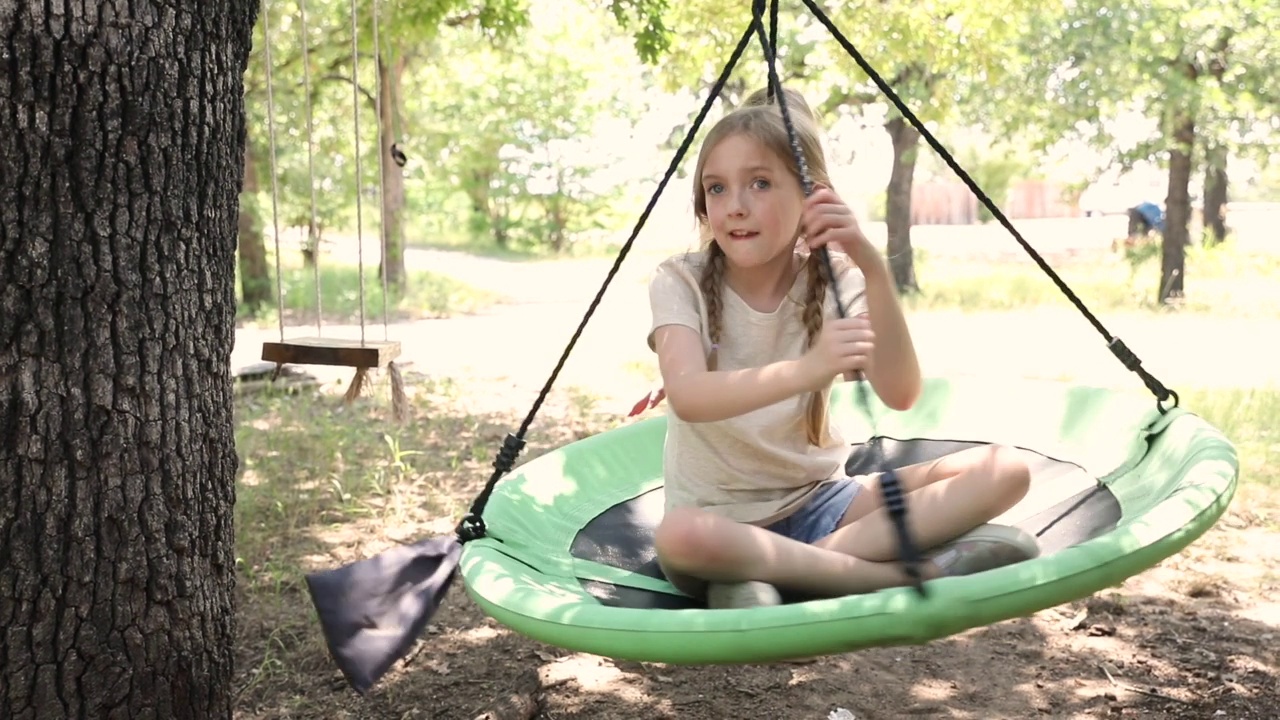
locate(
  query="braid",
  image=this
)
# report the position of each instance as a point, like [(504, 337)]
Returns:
[(712, 283), (815, 294)]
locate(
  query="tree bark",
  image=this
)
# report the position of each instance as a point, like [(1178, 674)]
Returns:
[(392, 264), (255, 276), (1178, 211), (1215, 193), (121, 153), (906, 143)]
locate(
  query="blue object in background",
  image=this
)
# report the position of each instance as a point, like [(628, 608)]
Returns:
[(1152, 214)]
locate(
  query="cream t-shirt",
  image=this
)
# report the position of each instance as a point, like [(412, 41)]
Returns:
[(758, 467)]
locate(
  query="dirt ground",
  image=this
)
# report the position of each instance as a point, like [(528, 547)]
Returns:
[(1195, 637)]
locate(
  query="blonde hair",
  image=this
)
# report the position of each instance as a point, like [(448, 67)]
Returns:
[(796, 104), (764, 124)]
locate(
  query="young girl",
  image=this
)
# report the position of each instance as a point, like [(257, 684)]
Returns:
[(748, 343)]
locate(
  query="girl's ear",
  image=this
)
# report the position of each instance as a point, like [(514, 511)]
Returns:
[(824, 186)]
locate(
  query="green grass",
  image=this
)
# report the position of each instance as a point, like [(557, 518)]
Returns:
[(312, 467), (426, 294), (1222, 280), (523, 253), (322, 484), (1250, 418), (309, 463)]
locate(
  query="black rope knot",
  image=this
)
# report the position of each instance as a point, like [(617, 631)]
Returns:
[(507, 455), (1125, 355), (472, 525), (908, 552), (470, 528), (1134, 365)]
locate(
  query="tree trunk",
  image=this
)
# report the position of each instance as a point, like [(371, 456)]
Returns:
[(392, 265), (255, 276), (906, 143), (120, 166), (1215, 194), (1178, 212)]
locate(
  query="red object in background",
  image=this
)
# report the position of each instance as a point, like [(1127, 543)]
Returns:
[(648, 402)]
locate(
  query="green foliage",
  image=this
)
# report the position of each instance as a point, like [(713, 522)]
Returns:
[(994, 164), (994, 172), (646, 18), (511, 69), (515, 133), (1116, 74)]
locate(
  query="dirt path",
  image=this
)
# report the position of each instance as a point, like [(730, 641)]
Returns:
[(516, 344)]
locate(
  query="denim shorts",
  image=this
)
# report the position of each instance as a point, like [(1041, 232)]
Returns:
[(820, 516)]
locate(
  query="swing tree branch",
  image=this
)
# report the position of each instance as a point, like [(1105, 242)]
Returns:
[(347, 80)]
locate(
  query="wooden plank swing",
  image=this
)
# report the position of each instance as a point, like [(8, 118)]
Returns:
[(363, 354)]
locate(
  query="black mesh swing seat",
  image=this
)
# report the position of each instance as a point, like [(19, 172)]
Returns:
[(561, 549)]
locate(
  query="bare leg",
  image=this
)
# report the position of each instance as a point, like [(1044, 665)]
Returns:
[(695, 547), (945, 498)]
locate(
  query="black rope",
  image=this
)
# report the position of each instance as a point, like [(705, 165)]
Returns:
[(773, 27), (757, 11), (1115, 344), (890, 485), (471, 526)]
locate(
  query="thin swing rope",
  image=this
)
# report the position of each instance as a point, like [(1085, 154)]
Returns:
[(472, 524), (311, 168), (355, 114), (890, 486), (382, 179), (1126, 356), (275, 192)]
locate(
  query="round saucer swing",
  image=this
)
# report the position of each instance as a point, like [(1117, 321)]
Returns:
[(560, 548)]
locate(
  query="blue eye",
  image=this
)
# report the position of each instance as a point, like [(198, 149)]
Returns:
[(762, 183), (715, 188)]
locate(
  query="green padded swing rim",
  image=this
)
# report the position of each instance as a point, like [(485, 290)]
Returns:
[(536, 592)]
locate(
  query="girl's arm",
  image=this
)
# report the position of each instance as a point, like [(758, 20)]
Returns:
[(696, 394), (895, 370)]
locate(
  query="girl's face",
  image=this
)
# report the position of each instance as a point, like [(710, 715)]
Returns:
[(753, 201)]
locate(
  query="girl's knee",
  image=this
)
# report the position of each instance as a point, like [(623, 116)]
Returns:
[(682, 539), (1009, 472)]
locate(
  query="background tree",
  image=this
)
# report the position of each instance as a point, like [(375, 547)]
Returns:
[(1162, 81), (119, 175)]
